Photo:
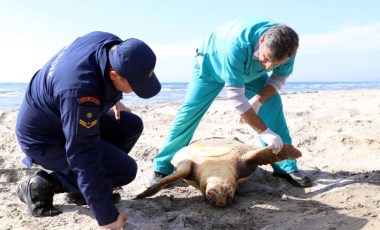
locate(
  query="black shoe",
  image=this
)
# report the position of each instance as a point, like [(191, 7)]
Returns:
[(37, 192), (78, 199), (295, 178), (156, 178)]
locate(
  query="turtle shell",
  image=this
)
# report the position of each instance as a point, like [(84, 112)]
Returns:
[(211, 149)]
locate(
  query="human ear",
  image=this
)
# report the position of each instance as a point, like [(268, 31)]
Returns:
[(261, 40), (113, 75)]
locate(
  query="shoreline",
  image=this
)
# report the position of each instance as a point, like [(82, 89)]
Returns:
[(138, 101)]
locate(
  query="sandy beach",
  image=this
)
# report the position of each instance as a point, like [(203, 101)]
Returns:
[(338, 133)]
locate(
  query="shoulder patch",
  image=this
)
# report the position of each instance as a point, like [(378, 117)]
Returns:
[(87, 120), (87, 124), (89, 99)]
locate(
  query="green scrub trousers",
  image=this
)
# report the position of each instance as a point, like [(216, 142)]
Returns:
[(202, 91)]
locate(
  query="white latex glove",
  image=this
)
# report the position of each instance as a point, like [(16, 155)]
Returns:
[(255, 104), (273, 140)]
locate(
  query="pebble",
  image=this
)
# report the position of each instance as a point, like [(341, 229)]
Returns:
[(284, 197), (5, 178)]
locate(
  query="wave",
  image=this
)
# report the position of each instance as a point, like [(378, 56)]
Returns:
[(11, 94)]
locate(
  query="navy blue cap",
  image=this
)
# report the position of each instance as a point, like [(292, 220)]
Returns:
[(135, 61)]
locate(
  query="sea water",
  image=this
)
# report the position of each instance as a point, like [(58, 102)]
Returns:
[(11, 94)]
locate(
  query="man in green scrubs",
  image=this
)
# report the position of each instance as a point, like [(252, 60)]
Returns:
[(238, 56)]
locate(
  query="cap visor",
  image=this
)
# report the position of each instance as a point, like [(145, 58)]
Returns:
[(146, 89)]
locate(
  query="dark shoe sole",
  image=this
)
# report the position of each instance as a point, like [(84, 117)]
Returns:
[(306, 182), (21, 188), (39, 206)]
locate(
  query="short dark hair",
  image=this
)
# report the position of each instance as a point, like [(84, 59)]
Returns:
[(282, 40)]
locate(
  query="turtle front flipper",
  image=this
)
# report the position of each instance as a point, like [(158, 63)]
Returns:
[(266, 156), (183, 170)]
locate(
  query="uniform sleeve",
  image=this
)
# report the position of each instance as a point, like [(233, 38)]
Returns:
[(276, 82), (238, 99), (80, 123), (233, 67), (285, 69)]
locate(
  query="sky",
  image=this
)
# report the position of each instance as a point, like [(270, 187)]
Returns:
[(339, 40)]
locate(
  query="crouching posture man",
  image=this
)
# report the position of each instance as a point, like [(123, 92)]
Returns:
[(72, 123)]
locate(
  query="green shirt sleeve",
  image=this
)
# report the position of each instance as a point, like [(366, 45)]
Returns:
[(285, 69)]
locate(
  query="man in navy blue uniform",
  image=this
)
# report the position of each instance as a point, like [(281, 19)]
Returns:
[(72, 123)]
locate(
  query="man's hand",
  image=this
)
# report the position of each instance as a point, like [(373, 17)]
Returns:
[(119, 223), (273, 140), (118, 107)]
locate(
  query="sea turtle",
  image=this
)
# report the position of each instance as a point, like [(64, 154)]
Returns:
[(216, 166)]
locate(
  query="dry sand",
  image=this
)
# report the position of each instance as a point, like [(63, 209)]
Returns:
[(337, 131)]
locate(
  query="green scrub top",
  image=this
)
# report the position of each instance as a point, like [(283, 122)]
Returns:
[(228, 53)]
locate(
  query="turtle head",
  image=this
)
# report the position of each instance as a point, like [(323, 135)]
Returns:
[(220, 192)]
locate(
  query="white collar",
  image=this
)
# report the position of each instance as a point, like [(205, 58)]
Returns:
[(255, 55)]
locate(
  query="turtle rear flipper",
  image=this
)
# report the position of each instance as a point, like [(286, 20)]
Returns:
[(266, 156), (182, 171)]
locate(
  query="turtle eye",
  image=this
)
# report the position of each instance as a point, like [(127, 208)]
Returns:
[(210, 196), (211, 200)]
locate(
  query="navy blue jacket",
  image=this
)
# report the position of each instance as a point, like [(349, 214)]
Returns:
[(66, 98)]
